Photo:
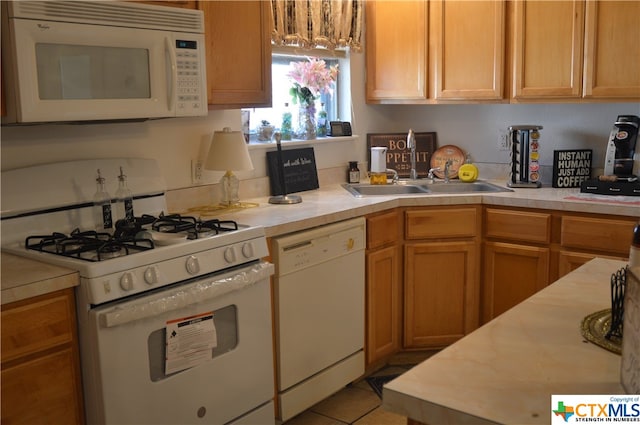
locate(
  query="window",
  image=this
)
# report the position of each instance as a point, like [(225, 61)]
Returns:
[(281, 99)]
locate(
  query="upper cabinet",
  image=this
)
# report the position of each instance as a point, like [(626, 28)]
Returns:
[(467, 44), (451, 51), (612, 50), (396, 50), (238, 46), (547, 49), (435, 51), (576, 50)]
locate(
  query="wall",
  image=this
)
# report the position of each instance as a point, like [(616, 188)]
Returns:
[(176, 142)]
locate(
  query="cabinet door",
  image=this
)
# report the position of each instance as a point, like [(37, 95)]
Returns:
[(467, 40), (238, 46), (512, 273), (612, 49), (569, 261), (547, 49), (383, 304), (396, 52), (44, 390), (441, 293)]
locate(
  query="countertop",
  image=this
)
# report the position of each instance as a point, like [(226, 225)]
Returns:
[(327, 205), (506, 371), (25, 278), (333, 203)]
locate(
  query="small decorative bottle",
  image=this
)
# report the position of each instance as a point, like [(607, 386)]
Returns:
[(353, 174), (102, 206), (322, 122), (286, 129), (124, 200)]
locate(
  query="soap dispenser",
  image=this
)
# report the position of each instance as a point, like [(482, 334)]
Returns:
[(378, 166)]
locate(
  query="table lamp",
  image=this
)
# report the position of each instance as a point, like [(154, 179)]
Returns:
[(228, 152)]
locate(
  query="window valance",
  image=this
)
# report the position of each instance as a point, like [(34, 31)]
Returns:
[(329, 24)]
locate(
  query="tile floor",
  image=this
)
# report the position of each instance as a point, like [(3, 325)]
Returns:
[(357, 403)]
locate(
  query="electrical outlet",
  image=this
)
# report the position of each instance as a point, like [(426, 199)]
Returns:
[(196, 171), (504, 144)]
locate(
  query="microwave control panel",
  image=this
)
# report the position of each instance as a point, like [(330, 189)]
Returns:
[(191, 94)]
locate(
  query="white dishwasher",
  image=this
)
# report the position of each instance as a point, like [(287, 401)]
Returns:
[(319, 312)]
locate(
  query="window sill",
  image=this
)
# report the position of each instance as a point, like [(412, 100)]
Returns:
[(285, 143)]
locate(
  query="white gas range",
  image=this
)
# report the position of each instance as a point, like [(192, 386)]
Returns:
[(174, 312)]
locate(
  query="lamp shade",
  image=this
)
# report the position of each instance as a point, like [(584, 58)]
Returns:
[(228, 152)]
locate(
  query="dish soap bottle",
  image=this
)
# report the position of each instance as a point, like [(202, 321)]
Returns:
[(102, 206), (124, 200), (468, 172)]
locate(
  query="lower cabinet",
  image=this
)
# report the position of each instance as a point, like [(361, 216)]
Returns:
[(383, 288), (441, 275), (585, 237), (515, 256), (512, 273), (441, 299), (41, 381)]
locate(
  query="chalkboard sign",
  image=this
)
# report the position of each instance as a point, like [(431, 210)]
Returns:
[(399, 157), (300, 171), (571, 167)]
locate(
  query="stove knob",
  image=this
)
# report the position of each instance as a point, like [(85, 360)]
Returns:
[(126, 281), (151, 275), (192, 265), (247, 250), (229, 255)]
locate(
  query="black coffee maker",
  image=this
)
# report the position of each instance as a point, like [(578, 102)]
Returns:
[(622, 161), (621, 149)]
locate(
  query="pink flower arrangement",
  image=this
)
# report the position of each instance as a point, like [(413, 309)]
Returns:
[(310, 79)]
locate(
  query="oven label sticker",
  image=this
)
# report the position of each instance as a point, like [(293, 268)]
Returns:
[(189, 342)]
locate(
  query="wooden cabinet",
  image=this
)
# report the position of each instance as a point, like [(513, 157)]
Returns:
[(441, 289), (612, 50), (547, 49), (396, 50), (383, 288), (238, 46), (516, 258), (40, 363), (420, 52), (186, 4), (526, 249), (573, 50), (585, 237), (464, 36)]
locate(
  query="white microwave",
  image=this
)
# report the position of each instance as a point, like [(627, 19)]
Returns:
[(79, 61)]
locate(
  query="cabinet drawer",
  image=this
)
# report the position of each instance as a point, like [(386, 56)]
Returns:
[(382, 229), (441, 223), (518, 225), (37, 324), (600, 234)]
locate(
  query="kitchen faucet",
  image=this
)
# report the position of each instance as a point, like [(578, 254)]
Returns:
[(411, 144), (446, 170)]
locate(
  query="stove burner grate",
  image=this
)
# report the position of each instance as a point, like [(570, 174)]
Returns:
[(87, 245)]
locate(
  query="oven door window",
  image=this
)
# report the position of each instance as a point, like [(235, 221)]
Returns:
[(92, 72), (226, 323)]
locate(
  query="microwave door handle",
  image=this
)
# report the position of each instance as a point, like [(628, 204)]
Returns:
[(172, 63)]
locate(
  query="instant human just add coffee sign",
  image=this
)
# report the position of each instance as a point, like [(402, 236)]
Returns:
[(571, 167)]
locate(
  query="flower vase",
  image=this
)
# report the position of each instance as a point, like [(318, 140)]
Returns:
[(306, 121)]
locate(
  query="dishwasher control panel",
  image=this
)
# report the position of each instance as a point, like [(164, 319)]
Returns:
[(318, 245)]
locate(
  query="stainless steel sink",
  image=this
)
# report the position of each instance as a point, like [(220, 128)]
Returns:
[(362, 189), (461, 187), (417, 187)]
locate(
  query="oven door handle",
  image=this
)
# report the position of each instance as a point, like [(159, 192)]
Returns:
[(181, 298)]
